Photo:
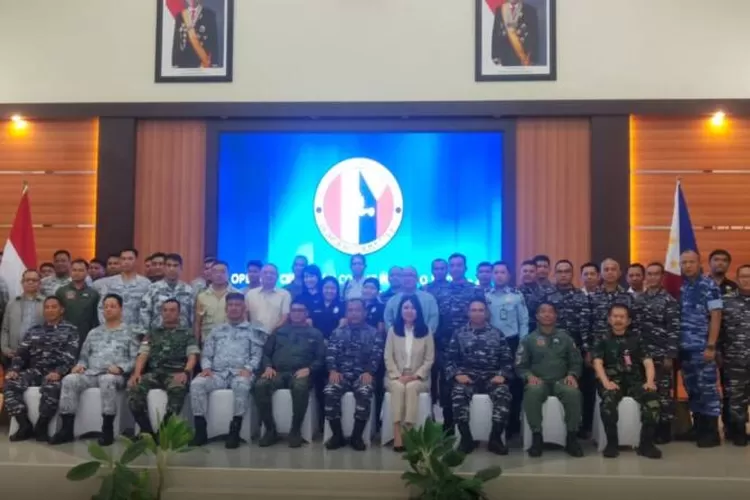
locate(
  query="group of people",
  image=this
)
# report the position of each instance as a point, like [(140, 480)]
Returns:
[(452, 339)]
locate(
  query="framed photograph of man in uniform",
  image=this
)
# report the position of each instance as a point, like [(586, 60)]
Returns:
[(515, 40), (194, 40)]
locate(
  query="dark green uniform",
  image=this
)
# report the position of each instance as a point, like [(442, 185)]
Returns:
[(81, 308), (290, 349), (552, 358), (623, 356), (168, 350)]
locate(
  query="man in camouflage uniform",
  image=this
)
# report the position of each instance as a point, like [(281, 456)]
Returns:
[(453, 310), (50, 284), (230, 360), (293, 352), (532, 289), (354, 353), (129, 285), (479, 361), (574, 317), (46, 353), (168, 355), (439, 288), (735, 345), (620, 362), (660, 334), (168, 288), (107, 356), (700, 322), (609, 294)]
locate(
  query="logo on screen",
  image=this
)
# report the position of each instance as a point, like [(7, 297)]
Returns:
[(358, 206)]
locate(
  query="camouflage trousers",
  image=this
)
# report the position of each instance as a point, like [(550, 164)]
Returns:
[(350, 382), (176, 392), (700, 379), (664, 385), (75, 383), (14, 390), (737, 374), (202, 387), (632, 388), (480, 384)]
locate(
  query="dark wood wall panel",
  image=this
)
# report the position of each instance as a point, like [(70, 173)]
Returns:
[(712, 162), (553, 196), (169, 190), (59, 161)]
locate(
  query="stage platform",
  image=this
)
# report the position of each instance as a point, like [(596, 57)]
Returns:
[(38, 471)]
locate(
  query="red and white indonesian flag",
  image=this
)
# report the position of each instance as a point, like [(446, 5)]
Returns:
[(681, 238), (20, 249)]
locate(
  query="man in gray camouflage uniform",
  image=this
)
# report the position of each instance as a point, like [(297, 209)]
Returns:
[(735, 348), (660, 335), (609, 294), (129, 285), (169, 288), (44, 356), (230, 360), (107, 356)]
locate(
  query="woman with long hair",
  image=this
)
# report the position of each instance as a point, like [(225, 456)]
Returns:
[(409, 355), (312, 294)]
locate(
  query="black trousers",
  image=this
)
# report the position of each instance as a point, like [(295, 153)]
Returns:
[(516, 390), (587, 385)]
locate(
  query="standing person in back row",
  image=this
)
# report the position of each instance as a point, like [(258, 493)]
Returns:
[(353, 287), (297, 286), (602, 300), (61, 277), (268, 305), (80, 301), (171, 287), (700, 322), (129, 285)]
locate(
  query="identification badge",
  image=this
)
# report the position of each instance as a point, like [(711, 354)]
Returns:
[(374, 310), (70, 295), (626, 359), (541, 342), (503, 314), (335, 310)]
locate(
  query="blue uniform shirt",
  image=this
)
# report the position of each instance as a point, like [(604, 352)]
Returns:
[(698, 297), (508, 311)]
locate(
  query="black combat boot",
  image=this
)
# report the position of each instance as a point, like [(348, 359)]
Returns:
[(233, 439), (663, 432), (739, 435), (449, 427), (692, 434), (108, 431), (537, 445), (572, 446), (646, 447), (496, 444), (612, 450), (709, 437), (295, 434), (270, 436), (356, 440), (144, 424), (336, 441), (65, 434), (41, 429), (200, 438), (25, 429), (466, 445)]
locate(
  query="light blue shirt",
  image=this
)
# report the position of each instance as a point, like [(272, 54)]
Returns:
[(429, 309), (508, 312)]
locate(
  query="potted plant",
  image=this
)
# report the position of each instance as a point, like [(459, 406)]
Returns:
[(120, 481), (433, 459)]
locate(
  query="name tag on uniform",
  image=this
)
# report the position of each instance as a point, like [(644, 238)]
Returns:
[(374, 310), (70, 294), (541, 342), (335, 310)]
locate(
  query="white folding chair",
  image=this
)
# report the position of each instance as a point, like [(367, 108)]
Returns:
[(386, 430), (348, 405), (554, 429), (32, 397), (628, 424)]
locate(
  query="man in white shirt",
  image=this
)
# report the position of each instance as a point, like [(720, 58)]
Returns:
[(268, 305)]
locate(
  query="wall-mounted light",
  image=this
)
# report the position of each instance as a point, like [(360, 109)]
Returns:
[(19, 123), (718, 119)]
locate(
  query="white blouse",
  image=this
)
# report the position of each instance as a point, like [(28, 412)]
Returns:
[(409, 340)]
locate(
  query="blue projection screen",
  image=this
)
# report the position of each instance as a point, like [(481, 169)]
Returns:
[(402, 198)]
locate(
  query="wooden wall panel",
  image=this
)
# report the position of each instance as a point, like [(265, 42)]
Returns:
[(553, 198), (713, 165), (58, 159), (169, 190)]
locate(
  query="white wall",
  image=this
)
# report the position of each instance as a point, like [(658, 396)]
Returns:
[(375, 50)]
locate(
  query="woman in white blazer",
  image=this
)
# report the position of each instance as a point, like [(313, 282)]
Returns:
[(409, 354)]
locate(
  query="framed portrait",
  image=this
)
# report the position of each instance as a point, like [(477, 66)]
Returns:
[(194, 41), (515, 40)]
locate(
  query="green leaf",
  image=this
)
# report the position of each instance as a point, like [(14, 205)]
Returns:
[(99, 453), (415, 479), (107, 489), (453, 458), (433, 433), (187, 449), (83, 471), (124, 440), (134, 451), (488, 474)]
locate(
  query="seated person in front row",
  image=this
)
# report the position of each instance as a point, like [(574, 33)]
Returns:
[(107, 355), (168, 354), (289, 356), (619, 363), (549, 362), (46, 353), (230, 359), (354, 353), (479, 361)]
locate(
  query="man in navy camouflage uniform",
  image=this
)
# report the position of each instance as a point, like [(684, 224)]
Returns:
[(168, 288), (700, 322), (439, 288), (479, 361), (533, 288), (46, 353), (660, 334), (611, 293), (354, 353), (735, 347)]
